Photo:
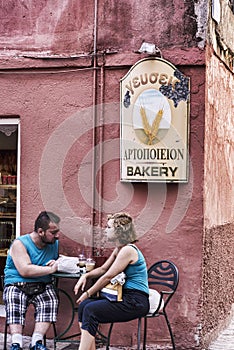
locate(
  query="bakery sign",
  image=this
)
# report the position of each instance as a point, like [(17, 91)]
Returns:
[(154, 123)]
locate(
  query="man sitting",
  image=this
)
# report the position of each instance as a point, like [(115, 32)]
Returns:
[(31, 260)]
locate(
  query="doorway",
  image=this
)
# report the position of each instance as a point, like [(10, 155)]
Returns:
[(9, 186)]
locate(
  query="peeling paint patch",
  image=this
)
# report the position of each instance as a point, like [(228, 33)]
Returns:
[(201, 11)]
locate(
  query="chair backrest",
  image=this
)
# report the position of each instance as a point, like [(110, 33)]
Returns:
[(164, 277)]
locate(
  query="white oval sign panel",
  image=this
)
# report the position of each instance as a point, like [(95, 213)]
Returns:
[(154, 123)]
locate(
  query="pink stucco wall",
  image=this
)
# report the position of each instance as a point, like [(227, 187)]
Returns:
[(218, 296), (44, 102), (50, 79), (219, 143)]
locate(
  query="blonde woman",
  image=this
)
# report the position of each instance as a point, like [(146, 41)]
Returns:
[(127, 258)]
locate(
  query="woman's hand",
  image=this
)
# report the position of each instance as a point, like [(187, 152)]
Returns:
[(80, 284), (83, 296)]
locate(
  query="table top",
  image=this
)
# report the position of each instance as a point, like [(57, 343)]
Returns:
[(66, 275)]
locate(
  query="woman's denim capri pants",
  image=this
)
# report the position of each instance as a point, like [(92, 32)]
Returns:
[(93, 311)]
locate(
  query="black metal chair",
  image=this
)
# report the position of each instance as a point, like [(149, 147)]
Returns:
[(163, 276)]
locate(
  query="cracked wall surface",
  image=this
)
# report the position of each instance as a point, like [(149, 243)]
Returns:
[(217, 278), (220, 33)]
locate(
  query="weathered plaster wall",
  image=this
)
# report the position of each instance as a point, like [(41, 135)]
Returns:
[(220, 32), (47, 26), (54, 97), (219, 152), (68, 28), (45, 103), (218, 295), (184, 244)]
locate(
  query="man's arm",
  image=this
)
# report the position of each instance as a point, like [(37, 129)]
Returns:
[(24, 265)]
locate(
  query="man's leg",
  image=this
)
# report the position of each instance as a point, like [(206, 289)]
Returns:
[(16, 331), (40, 330), (16, 306), (46, 309)]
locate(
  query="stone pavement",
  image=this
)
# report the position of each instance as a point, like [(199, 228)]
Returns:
[(225, 341), (49, 344)]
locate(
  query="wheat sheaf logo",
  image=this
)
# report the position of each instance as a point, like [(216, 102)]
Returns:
[(150, 130), (151, 117)]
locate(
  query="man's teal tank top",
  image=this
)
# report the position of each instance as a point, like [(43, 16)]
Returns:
[(38, 257)]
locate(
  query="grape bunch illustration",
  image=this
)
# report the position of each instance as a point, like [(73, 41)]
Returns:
[(179, 92)]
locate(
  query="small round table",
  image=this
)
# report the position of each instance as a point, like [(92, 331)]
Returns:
[(61, 337)]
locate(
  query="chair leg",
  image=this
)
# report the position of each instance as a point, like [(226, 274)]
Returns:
[(54, 329), (139, 334), (55, 334), (170, 331), (145, 333), (44, 340), (5, 337), (108, 336)]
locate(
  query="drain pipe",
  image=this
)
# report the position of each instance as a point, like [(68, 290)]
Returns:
[(93, 210), (101, 139)]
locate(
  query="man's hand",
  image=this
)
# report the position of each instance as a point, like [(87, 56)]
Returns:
[(50, 263), (53, 264)]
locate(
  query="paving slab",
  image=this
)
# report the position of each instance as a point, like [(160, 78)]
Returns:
[(50, 344), (225, 340)]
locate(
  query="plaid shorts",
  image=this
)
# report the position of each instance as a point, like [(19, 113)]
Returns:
[(17, 302)]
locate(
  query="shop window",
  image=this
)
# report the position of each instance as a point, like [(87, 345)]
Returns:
[(9, 184)]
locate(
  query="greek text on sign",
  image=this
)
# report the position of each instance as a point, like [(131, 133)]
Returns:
[(154, 123)]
